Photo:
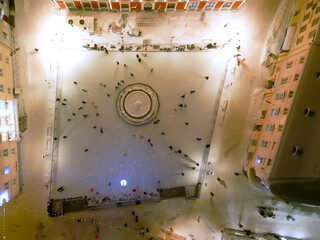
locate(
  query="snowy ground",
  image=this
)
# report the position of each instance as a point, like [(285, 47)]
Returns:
[(43, 27)]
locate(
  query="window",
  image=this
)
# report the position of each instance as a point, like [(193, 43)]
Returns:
[(285, 111), (303, 28), (309, 5), (274, 112), (269, 162), (263, 114), (6, 185), (14, 182), (250, 156), (1, 72), (13, 151), (270, 127), (226, 5), (4, 35), (7, 60), (299, 40), (301, 60), (171, 6), (264, 144), (280, 128), (1, 88), (315, 21), (257, 127), (9, 90), (124, 6), (5, 152), (284, 80), (317, 10), (279, 96), (289, 64), (148, 7), (193, 5), (0, 56), (273, 145), (278, 69), (296, 76), (312, 34), (6, 170), (86, 5), (254, 143), (259, 159), (290, 94), (306, 16), (209, 5)]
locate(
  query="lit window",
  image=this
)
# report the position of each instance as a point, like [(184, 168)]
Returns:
[(299, 40), (259, 159), (289, 64), (254, 143), (285, 111), (279, 96), (250, 156), (274, 112), (13, 151), (303, 28), (301, 60), (296, 76), (6, 170), (5, 152), (280, 128), (290, 95), (269, 127), (264, 144), (306, 16), (284, 80)]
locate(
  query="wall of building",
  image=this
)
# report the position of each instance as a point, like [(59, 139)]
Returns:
[(280, 92), (172, 5)]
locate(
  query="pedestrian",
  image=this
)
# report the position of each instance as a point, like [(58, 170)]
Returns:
[(60, 189), (151, 70), (125, 65), (180, 105), (122, 81), (64, 137), (131, 74), (137, 219), (107, 52), (219, 179), (73, 114), (147, 230), (193, 168), (69, 119), (193, 91), (84, 102), (116, 87), (94, 126), (109, 184), (149, 140), (57, 99), (125, 224), (83, 90), (237, 174), (151, 144), (79, 220), (163, 133), (186, 123), (63, 104), (212, 194), (132, 212), (97, 114), (139, 60), (183, 96), (240, 225), (182, 174), (80, 108), (179, 151), (85, 115), (137, 55), (86, 150), (208, 146), (118, 83), (118, 63), (55, 138), (198, 164), (108, 95), (206, 77), (198, 139), (185, 155), (36, 50), (101, 130), (75, 83), (170, 148)]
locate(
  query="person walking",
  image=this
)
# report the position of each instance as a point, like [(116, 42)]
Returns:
[(75, 83)]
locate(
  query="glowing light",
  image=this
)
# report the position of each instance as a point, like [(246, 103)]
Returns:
[(123, 182), (4, 197)]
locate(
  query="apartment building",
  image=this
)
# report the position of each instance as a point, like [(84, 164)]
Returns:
[(280, 93), (149, 5)]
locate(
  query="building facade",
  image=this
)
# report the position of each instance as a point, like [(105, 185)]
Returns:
[(280, 93), (149, 5)]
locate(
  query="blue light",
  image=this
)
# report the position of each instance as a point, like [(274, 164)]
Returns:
[(6, 170), (4, 197), (123, 182)]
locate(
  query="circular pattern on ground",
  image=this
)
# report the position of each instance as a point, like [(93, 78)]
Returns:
[(137, 104)]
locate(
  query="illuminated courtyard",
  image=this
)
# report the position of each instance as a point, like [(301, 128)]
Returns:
[(90, 152)]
